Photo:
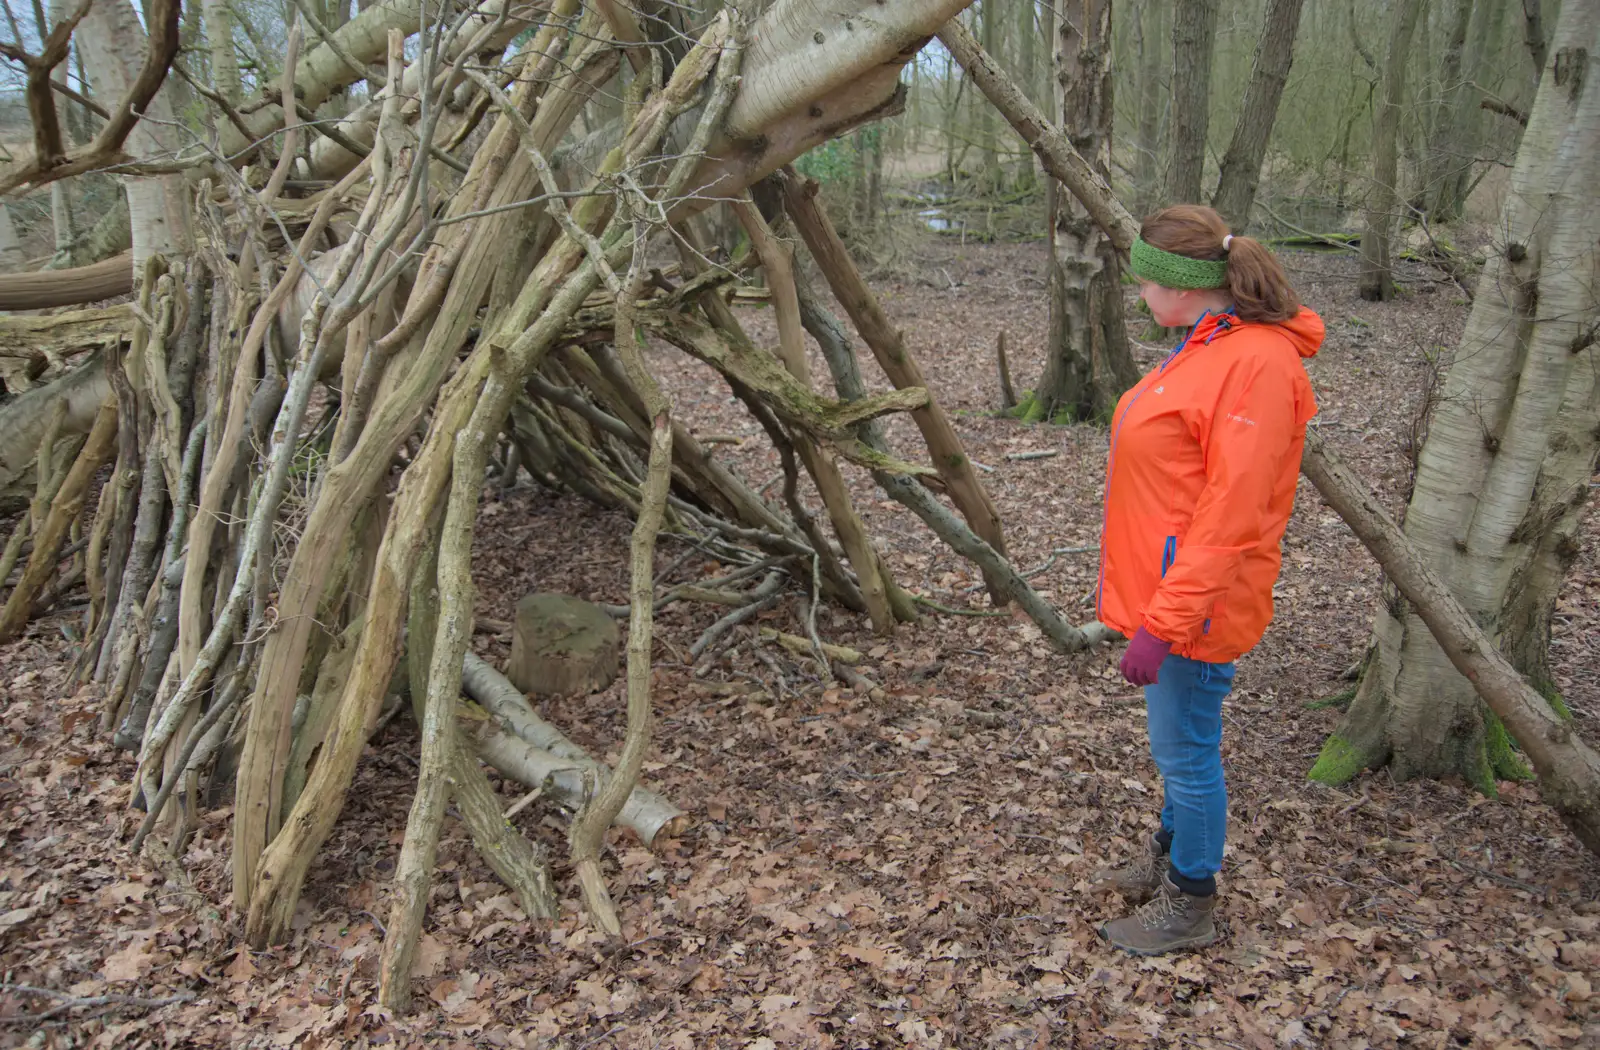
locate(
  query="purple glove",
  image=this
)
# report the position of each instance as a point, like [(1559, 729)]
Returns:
[(1141, 664)]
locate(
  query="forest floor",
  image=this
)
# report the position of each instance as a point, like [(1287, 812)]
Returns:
[(907, 869)]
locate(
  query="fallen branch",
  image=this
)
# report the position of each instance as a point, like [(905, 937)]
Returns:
[(762, 598), (803, 647), (65, 332), (67, 1003), (777, 260), (452, 635), (893, 356), (545, 754), (42, 289), (952, 530)]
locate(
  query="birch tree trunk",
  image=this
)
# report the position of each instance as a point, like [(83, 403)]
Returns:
[(224, 62), (1383, 198), (1258, 112), (1194, 32), (1504, 474), (61, 218), (113, 45), (1088, 364)]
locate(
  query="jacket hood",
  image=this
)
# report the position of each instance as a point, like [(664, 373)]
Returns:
[(1304, 330)]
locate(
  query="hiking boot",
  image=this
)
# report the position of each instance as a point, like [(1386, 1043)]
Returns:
[(1138, 881), (1172, 921)]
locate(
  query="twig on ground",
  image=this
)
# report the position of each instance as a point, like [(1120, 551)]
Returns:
[(67, 1002), (947, 610), (764, 598)]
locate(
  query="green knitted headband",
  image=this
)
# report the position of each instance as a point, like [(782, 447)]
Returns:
[(1171, 270)]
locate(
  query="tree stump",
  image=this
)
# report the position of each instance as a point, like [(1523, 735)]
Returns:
[(562, 646)]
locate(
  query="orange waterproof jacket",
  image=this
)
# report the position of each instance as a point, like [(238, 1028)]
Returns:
[(1205, 453)]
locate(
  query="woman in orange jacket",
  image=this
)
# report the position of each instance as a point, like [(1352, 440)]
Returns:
[(1205, 453)]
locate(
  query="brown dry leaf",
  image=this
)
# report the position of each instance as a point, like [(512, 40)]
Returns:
[(775, 1004), (865, 953), (462, 991), (596, 995), (130, 964), (242, 968), (17, 917), (993, 986), (123, 893), (431, 956)]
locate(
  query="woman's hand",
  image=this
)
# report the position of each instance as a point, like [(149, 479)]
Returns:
[(1141, 664)]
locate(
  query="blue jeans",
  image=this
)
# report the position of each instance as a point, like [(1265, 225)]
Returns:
[(1185, 719)]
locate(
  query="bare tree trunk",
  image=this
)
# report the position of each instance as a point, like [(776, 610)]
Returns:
[(1383, 197), (1027, 62), (1152, 50), (1194, 32), (61, 218), (1569, 769), (1504, 473), (113, 43), (11, 257), (224, 62), (1450, 153), (1088, 364), (1533, 35), (1258, 112), (993, 179)]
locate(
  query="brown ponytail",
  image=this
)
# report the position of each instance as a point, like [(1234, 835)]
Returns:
[(1256, 283)]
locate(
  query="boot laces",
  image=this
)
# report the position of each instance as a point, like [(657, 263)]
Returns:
[(1143, 867), (1162, 907)]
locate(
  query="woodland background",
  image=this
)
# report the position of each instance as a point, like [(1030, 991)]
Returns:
[(827, 442)]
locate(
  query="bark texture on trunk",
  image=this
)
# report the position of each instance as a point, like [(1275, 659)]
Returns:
[(1383, 198), (1449, 155), (1569, 769), (1194, 33), (1258, 112), (1505, 471), (1088, 364), (224, 62), (113, 45), (1151, 48)]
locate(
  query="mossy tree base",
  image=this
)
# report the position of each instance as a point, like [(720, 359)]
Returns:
[(1034, 409), (1436, 733)]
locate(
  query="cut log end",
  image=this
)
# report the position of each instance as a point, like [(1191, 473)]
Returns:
[(562, 646)]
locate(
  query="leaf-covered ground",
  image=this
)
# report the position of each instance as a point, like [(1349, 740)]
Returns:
[(908, 868)]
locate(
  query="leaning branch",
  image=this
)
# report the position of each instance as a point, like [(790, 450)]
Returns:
[(1568, 768)]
